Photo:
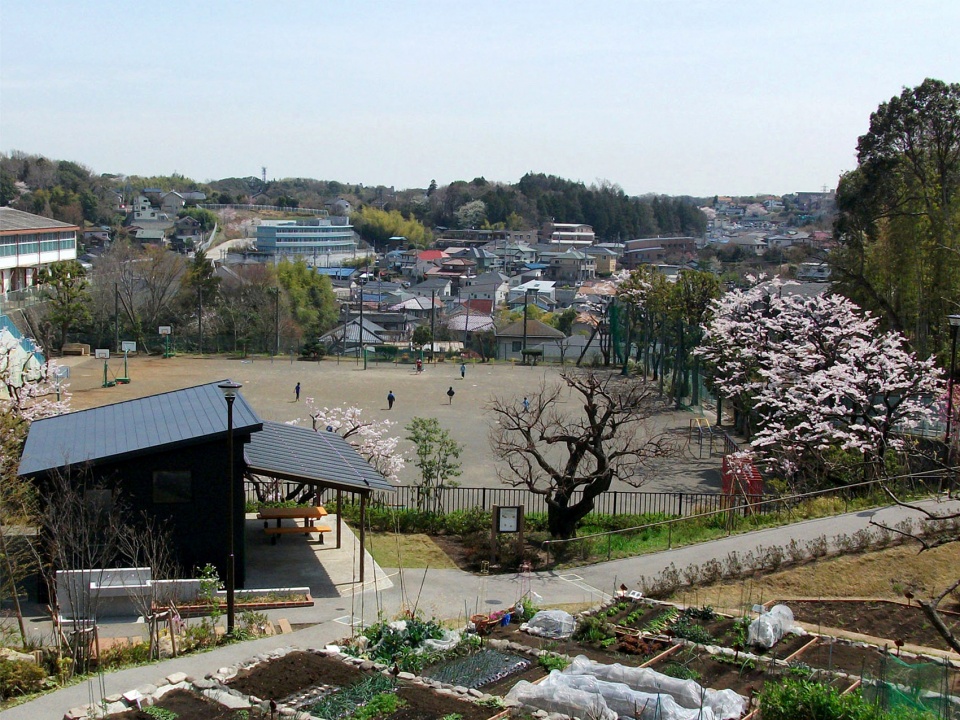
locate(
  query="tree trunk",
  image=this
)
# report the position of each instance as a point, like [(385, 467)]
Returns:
[(562, 517)]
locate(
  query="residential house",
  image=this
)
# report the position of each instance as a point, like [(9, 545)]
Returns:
[(568, 235), (339, 207), (143, 209), (171, 202), (511, 339), (569, 267), (414, 263), (604, 257), (457, 270), (348, 337), (646, 251), (395, 327), (513, 255), (440, 287), (535, 288), (492, 286), (482, 259), (187, 232), (421, 308), (151, 237)]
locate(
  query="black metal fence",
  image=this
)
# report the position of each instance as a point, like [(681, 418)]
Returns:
[(451, 499)]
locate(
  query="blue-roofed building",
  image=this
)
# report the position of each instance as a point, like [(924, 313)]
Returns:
[(166, 455)]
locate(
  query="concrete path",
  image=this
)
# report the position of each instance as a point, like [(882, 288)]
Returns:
[(454, 594)]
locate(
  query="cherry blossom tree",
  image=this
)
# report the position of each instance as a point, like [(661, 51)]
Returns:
[(28, 391), (818, 375), (371, 438)]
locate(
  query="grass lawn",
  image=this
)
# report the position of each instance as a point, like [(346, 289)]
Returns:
[(410, 551)]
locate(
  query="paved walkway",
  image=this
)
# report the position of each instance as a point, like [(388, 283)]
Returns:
[(455, 594)]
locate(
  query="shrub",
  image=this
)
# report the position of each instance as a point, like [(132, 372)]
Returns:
[(19, 677), (794, 699)]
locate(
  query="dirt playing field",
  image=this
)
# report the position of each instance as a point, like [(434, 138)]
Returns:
[(269, 387)]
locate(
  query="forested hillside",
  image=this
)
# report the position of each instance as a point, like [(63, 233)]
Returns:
[(74, 193)]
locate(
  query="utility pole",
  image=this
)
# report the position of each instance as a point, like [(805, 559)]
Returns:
[(526, 295), (116, 316), (276, 310), (360, 339), (200, 319), (466, 324), (433, 318)]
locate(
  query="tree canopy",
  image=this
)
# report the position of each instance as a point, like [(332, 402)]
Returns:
[(898, 229)]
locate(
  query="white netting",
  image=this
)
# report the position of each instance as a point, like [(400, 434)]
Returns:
[(767, 629), (568, 701), (551, 624), (450, 639), (687, 693), (586, 696)]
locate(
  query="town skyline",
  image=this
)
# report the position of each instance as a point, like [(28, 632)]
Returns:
[(656, 97)]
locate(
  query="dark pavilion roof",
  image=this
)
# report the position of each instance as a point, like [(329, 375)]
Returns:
[(323, 458), (134, 427)]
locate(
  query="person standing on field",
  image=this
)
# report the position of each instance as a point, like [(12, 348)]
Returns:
[(390, 400)]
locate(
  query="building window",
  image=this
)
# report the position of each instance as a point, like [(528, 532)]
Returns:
[(517, 346), (172, 486)]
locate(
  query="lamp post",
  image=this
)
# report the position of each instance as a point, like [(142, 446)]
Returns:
[(954, 321), (229, 390)]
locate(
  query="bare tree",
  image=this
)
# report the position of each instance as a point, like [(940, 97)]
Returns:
[(143, 282), (938, 528), (147, 548), (555, 452), (81, 526)]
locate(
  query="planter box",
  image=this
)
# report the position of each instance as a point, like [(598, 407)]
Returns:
[(200, 609)]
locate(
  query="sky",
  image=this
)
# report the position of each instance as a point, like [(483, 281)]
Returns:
[(656, 96)]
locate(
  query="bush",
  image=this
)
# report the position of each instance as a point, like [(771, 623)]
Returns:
[(18, 677), (313, 350), (803, 699)]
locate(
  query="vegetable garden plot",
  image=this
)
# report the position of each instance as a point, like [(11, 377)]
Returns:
[(880, 619), (186, 705), (743, 675), (842, 656), (479, 669), (294, 673)]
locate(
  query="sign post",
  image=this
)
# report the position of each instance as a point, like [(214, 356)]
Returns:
[(507, 519)]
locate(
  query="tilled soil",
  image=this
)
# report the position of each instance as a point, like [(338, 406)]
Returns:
[(880, 619), (293, 673), (190, 706)]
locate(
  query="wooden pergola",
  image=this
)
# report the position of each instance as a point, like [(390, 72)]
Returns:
[(320, 460)]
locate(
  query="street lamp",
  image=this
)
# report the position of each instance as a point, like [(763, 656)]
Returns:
[(229, 390), (954, 321)]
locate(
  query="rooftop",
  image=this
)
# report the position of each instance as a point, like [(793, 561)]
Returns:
[(134, 427), (13, 220)]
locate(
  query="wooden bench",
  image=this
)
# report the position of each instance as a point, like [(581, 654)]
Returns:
[(299, 530)]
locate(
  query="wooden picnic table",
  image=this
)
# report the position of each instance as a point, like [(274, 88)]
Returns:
[(308, 514)]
